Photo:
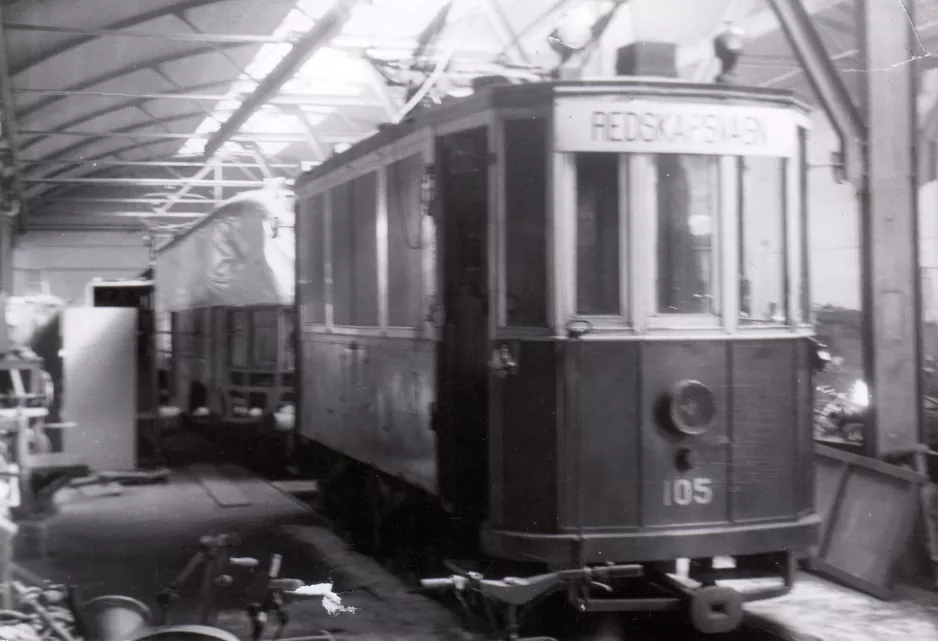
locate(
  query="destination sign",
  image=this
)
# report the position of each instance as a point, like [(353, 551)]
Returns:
[(668, 127)]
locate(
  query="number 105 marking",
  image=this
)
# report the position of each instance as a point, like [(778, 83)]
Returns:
[(683, 492)]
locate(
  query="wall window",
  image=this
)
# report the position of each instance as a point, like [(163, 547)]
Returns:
[(526, 222), (762, 265), (405, 242), (311, 260), (688, 272), (598, 251)]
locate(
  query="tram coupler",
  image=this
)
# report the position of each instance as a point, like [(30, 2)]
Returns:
[(515, 595)]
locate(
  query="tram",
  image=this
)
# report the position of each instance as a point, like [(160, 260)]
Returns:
[(575, 315), (224, 299)]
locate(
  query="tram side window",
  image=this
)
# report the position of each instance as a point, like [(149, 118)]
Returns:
[(238, 353), (762, 264), (311, 261), (597, 234), (355, 252), (288, 341), (688, 192), (365, 242), (526, 222), (198, 332), (181, 329), (265, 344), (405, 241), (341, 256)]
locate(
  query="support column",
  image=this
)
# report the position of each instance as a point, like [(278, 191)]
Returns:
[(889, 226)]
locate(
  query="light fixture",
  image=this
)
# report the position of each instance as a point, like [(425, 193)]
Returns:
[(460, 92), (692, 407), (728, 47)]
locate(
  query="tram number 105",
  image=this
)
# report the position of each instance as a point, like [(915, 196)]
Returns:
[(684, 492)]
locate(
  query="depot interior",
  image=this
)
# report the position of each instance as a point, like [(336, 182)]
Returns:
[(125, 125)]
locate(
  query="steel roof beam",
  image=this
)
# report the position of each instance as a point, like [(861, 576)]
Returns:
[(244, 137), (9, 122), (195, 36), (326, 100), (150, 163), (139, 18), (825, 81), (350, 41), (502, 26), (127, 214), (123, 71), (325, 28), (129, 201), (190, 183), (143, 182)]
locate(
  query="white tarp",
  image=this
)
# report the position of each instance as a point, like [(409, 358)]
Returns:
[(242, 254)]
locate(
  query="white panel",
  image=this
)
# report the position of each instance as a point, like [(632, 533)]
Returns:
[(619, 124), (101, 385)]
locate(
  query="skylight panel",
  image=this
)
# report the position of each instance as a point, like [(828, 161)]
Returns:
[(331, 72)]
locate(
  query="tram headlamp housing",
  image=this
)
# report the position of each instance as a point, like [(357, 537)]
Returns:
[(728, 47), (692, 407)]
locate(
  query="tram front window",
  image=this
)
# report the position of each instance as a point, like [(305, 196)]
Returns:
[(597, 234), (761, 267), (688, 191)]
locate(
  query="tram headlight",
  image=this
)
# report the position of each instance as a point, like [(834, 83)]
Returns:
[(728, 47), (692, 407)]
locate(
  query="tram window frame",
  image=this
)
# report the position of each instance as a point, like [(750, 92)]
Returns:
[(784, 266), (524, 215), (311, 259), (622, 317), (235, 332), (802, 313), (716, 319), (265, 338), (406, 240)]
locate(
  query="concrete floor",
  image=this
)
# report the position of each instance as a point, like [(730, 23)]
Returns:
[(136, 543)]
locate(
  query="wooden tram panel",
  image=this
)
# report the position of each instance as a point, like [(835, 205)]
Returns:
[(563, 453)]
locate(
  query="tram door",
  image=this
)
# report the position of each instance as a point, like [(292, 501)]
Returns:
[(462, 403)]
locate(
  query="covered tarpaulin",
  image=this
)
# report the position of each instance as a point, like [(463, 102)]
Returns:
[(240, 254)]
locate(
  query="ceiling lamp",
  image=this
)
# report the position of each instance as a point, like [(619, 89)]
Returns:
[(460, 92)]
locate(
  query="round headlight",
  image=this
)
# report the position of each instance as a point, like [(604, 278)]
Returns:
[(693, 407)]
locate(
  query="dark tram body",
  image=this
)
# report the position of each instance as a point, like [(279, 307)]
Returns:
[(577, 313), (225, 313)]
